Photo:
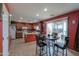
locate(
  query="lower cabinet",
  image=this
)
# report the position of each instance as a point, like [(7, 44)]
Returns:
[(29, 38)]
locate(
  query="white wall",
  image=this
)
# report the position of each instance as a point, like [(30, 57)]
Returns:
[(5, 30)]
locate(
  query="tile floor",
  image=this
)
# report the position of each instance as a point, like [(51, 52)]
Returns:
[(19, 48)]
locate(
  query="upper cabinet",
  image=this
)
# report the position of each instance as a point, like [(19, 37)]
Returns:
[(18, 26)]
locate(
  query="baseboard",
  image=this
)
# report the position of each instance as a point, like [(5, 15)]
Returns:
[(0, 53), (74, 51)]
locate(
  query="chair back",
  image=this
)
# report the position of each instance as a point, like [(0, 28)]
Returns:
[(39, 39), (48, 35), (66, 41), (55, 35)]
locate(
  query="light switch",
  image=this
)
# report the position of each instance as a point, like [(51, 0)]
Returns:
[(73, 21)]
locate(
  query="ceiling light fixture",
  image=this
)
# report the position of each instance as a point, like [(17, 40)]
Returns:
[(37, 15), (21, 17), (10, 15), (45, 9)]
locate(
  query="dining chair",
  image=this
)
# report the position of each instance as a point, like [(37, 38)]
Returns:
[(62, 46), (41, 44)]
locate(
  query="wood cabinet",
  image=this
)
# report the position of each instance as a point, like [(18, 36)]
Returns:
[(18, 30), (19, 26), (18, 35)]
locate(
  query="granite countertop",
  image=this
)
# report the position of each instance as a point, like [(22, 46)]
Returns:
[(30, 33)]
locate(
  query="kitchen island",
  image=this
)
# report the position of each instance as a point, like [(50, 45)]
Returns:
[(29, 37)]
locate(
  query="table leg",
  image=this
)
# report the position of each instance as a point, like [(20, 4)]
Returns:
[(49, 48), (53, 48)]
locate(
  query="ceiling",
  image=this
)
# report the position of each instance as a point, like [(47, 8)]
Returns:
[(26, 12)]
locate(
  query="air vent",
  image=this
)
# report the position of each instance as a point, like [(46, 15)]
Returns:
[(51, 15)]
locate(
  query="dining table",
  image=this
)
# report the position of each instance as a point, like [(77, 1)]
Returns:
[(50, 43)]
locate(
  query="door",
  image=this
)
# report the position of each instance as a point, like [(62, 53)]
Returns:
[(5, 31)]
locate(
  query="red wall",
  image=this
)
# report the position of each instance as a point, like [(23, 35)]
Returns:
[(72, 30), (0, 36), (71, 27)]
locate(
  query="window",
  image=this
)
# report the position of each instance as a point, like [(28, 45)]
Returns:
[(49, 28), (59, 27)]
